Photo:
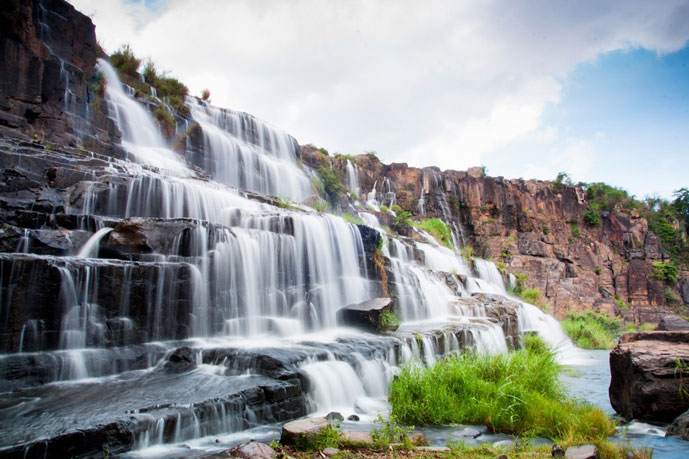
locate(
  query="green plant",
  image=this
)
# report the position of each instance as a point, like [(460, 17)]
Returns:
[(570, 239), (99, 84), (384, 209), (401, 220), (391, 432), (388, 321), (647, 327), (534, 296), (285, 203), (546, 229), (372, 155), (352, 219), (592, 217), (321, 206), (173, 91), (598, 270), (327, 437), (620, 302), (517, 393), (591, 330), (206, 94), (667, 272), (605, 197), (575, 230), (439, 230), (332, 182), (562, 178), (125, 61), (150, 75), (165, 120)]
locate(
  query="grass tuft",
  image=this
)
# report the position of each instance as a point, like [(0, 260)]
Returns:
[(591, 330)]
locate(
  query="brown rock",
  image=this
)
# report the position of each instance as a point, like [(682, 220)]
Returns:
[(672, 323), (357, 436), (301, 429), (645, 382), (253, 450), (365, 315), (419, 439)]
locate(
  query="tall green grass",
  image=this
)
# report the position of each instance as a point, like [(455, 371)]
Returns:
[(591, 330), (517, 393), (438, 229)]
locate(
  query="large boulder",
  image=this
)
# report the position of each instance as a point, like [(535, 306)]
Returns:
[(302, 430), (646, 375), (680, 426), (252, 450), (367, 315), (672, 323)]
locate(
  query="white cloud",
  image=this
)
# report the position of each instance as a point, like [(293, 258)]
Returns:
[(431, 83)]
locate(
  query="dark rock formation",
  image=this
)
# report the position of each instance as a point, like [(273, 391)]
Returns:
[(680, 426), (649, 378), (366, 315), (180, 361)]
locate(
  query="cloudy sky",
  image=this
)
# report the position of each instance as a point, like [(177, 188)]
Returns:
[(597, 88)]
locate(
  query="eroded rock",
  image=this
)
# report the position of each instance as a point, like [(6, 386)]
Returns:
[(302, 429), (366, 315)]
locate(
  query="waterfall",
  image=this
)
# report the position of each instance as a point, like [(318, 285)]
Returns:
[(352, 177), (140, 135), (90, 248)]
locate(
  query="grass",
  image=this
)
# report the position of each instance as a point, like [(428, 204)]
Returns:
[(534, 296), (125, 61), (352, 219), (438, 229), (591, 330), (667, 272), (517, 393), (388, 321)]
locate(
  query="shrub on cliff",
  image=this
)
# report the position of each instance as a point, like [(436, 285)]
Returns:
[(517, 393), (438, 229), (332, 182), (591, 330), (592, 217), (667, 272), (401, 220), (125, 61)]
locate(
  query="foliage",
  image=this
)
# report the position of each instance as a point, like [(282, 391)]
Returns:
[(575, 230), (667, 272), (620, 302), (165, 120), (663, 223), (391, 432), (605, 197), (372, 155), (206, 94), (401, 220), (546, 229), (150, 74), (592, 217), (681, 205), (285, 203), (517, 393), (598, 270), (332, 183), (352, 219), (591, 330), (562, 178), (534, 296), (125, 61), (670, 296), (321, 206), (388, 321), (327, 437), (384, 209), (172, 90), (439, 230)]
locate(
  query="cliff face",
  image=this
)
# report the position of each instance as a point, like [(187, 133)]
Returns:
[(535, 228)]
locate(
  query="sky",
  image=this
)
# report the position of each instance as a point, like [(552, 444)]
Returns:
[(596, 88)]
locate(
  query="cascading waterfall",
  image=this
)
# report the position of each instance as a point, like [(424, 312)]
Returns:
[(238, 274)]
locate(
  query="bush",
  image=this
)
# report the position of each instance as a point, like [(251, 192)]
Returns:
[(173, 90), (206, 95), (605, 197), (439, 230), (667, 272), (533, 296), (401, 220), (332, 183), (388, 320), (592, 217), (125, 61), (353, 219), (165, 120), (150, 75), (517, 393), (591, 330), (575, 230)]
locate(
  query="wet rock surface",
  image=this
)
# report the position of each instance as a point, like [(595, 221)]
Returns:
[(646, 382), (296, 431), (680, 426), (366, 315)]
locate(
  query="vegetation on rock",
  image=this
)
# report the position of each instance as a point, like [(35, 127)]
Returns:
[(438, 229), (125, 61), (666, 272), (591, 330), (332, 183), (516, 393)]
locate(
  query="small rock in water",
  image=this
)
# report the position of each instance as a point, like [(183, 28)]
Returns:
[(334, 416), (253, 450), (468, 432), (582, 452), (352, 417), (557, 451), (180, 361), (330, 452), (419, 439)]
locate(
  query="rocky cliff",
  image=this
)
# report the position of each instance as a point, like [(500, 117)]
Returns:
[(532, 228)]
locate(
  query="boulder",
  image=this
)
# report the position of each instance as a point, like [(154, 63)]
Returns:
[(334, 416), (419, 439), (582, 452), (253, 450), (672, 323), (680, 426), (645, 379), (357, 436), (301, 429), (352, 417), (330, 452), (366, 315), (180, 361)]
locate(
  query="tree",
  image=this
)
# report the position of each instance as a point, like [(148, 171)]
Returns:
[(681, 204)]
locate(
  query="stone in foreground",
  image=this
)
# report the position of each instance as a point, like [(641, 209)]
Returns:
[(645, 380), (582, 452), (357, 437), (302, 429), (672, 323), (253, 450), (366, 315)]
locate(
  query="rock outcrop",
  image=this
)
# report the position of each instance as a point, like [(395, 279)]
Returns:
[(367, 315), (650, 376)]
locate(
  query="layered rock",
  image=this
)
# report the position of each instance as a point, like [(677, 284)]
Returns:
[(649, 376)]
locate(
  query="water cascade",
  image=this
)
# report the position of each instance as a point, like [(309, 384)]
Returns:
[(200, 309)]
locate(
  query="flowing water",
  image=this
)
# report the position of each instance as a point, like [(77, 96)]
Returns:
[(250, 290)]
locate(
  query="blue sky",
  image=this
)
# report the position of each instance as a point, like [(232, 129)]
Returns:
[(529, 88), (630, 110)]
